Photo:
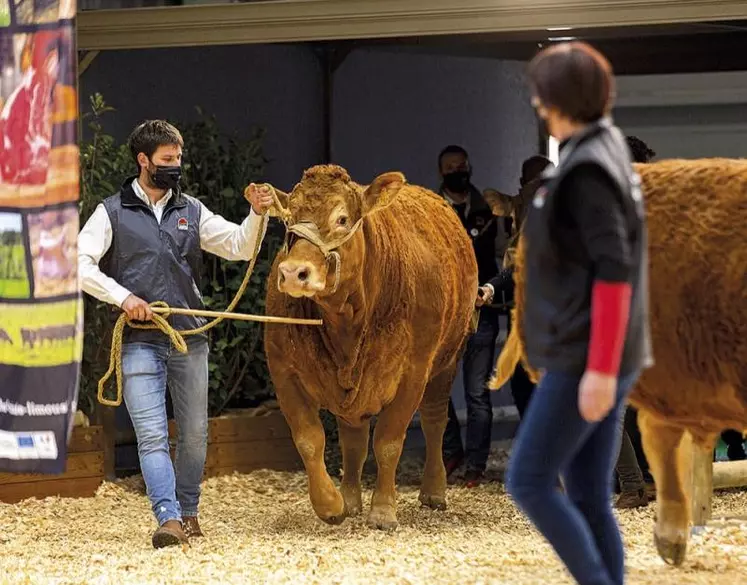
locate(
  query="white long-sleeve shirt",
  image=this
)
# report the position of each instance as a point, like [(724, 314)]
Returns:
[(217, 236)]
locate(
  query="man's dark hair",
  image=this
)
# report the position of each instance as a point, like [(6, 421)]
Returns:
[(639, 150), (451, 149), (533, 166), (575, 79), (151, 134)]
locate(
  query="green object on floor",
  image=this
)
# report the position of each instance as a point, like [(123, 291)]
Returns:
[(721, 451)]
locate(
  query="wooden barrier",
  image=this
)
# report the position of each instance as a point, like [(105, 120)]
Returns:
[(729, 474), (245, 441), (706, 476), (82, 477)]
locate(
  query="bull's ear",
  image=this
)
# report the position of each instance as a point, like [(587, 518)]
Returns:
[(383, 191), (500, 204)]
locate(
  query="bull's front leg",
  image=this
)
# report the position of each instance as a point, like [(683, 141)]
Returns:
[(308, 435), (661, 442), (389, 438), (354, 447)]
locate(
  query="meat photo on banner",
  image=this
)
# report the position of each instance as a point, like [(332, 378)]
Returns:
[(41, 310)]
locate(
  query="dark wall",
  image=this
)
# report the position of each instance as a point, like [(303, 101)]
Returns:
[(395, 111), (275, 86)]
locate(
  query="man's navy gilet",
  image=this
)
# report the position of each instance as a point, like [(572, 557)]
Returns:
[(156, 262)]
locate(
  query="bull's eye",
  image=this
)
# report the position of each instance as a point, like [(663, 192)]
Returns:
[(342, 221)]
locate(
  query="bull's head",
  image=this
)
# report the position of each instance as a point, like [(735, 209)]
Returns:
[(323, 215)]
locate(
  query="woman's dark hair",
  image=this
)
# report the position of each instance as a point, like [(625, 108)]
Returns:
[(639, 150), (575, 79)]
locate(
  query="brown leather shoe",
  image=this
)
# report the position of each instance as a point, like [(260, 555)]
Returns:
[(191, 527), (632, 499), (170, 533)]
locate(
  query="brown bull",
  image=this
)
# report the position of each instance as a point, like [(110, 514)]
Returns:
[(392, 274), (697, 223)]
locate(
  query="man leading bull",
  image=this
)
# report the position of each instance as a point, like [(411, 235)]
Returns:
[(144, 244)]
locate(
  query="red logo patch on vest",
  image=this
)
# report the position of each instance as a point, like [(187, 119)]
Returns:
[(182, 223)]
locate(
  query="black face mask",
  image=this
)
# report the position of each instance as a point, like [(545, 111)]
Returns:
[(166, 177), (457, 182)]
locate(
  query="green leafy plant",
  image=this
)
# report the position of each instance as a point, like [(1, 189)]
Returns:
[(104, 164), (216, 169)]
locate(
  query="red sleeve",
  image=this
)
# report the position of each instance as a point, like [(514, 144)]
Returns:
[(610, 307)]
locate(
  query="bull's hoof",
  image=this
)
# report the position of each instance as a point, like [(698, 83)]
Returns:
[(672, 553), (353, 500), (432, 501), (329, 505), (353, 509), (382, 518), (334, 520)]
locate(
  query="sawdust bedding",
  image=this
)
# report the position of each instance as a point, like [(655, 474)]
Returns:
[(261, 529)]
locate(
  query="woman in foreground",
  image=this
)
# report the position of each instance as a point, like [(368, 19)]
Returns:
[(585, 315)]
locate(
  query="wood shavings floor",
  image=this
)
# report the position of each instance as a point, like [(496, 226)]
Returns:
[(261, 529)]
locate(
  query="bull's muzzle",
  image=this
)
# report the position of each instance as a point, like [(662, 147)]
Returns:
[(299, 279)]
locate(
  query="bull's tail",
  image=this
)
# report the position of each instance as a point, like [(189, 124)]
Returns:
[(507, 361)]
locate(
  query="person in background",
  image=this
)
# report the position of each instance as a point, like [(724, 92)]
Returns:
[(489, 239), (502, 285), (633, 476), (639, 150), (734, 441), (585, 318), (144, 244)]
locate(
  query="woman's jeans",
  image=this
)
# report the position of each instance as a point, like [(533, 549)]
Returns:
[(553, 439), (148, 368)]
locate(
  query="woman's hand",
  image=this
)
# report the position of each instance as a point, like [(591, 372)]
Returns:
[(596, 395)]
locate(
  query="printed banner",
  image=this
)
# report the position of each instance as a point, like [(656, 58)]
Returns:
[(41, 310)]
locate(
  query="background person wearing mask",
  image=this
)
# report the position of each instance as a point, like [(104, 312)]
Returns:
[(489, 239)]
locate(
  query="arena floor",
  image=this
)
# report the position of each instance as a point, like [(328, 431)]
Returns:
[(261, 529)]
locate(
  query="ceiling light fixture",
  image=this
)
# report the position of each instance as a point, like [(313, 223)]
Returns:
[(560, 39), (558, 28)]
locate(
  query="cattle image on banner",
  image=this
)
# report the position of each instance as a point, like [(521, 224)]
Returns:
[(40, 302)]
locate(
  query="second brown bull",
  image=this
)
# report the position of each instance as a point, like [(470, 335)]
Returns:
[(697, 223)]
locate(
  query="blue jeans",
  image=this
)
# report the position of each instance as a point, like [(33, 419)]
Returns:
[(148, 368), (476, 369), (553, 439)]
